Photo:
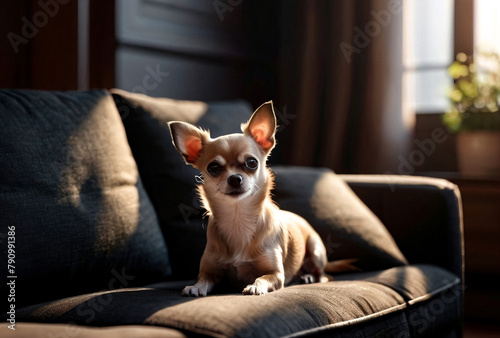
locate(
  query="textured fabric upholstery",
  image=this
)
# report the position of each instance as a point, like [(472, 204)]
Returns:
[(75, 331), (357, 298), (70, 187)]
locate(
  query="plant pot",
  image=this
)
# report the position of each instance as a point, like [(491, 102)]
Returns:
[(478, 152)]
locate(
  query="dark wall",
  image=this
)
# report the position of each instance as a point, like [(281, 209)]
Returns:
[(38, 45), (211, 51)]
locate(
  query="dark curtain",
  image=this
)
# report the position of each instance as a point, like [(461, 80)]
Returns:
[(340, 85)]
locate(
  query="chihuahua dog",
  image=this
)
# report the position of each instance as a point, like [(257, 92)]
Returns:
[(259, 247)]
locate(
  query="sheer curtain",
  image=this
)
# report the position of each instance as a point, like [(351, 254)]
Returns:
[(341, 76)]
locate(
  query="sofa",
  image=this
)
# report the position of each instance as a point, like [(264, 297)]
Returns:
[(101, 229)]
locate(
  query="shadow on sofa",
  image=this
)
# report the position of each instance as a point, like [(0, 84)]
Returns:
[(406, 232)]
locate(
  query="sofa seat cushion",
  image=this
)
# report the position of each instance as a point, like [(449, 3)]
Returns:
[(398, 294), (78, 331)]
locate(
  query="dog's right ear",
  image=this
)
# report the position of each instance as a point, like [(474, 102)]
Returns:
[(188, 140)]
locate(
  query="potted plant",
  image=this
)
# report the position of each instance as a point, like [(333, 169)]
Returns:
[(474, 113)]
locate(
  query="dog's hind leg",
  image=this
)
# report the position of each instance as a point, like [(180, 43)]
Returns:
[(315, 261)]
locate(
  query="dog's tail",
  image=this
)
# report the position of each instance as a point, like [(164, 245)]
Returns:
[(341, 265)]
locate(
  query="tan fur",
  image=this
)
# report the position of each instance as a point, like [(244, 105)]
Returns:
[(249, 239)]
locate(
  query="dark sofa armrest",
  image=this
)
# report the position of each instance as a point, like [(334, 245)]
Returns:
[(424, 215)]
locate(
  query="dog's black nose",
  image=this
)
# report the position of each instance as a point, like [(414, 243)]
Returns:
[(235, 180)]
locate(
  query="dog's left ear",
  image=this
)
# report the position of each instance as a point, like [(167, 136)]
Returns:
[(262, 126)]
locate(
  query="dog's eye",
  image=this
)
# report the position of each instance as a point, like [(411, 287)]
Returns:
[(214, 168), (251, 163)]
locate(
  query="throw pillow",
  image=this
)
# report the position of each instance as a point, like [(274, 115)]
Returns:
[(72, 199), (348, 228)]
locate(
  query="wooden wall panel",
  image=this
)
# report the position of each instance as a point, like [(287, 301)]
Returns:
[(161, 74), (200, 46), (39, 44), (102, 44), (40, 48)]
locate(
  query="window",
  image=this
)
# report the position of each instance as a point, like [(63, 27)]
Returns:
[(487, 26), (429, 45), (486, 33), (428, 51)]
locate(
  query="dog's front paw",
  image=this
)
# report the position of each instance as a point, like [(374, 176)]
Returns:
[(253, 289), (202, 288), (194, 291)]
